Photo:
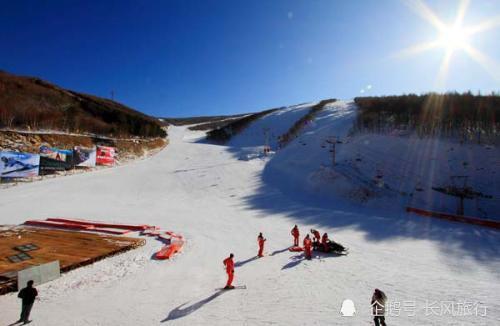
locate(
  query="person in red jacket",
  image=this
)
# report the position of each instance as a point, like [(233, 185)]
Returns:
[(316, 238), (295, 233), (229, 263), (260, 241), (308, 247), (325, 242)]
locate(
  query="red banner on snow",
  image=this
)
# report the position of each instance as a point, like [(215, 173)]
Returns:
[(105, 155)]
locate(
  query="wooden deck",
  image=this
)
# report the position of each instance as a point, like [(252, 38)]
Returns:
[(72, 249)]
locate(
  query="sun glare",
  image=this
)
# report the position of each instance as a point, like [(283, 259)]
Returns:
[(453, 38)]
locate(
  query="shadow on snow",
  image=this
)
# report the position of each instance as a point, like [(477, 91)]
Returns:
[(460, 240), (295, 260), (181, 312), (279, 251), (241, 263)]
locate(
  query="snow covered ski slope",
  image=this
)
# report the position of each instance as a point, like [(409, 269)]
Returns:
[(271, 126), (380, 170), (220, 204)]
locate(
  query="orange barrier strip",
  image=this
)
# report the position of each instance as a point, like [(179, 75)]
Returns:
[(50, 223), (455, 218), (74, 226), (133, 227)]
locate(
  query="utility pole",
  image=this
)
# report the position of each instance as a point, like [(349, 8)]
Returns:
[(112, 95)]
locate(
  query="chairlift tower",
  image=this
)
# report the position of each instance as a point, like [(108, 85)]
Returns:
[(267, 148), (332, 140), (459, 189)]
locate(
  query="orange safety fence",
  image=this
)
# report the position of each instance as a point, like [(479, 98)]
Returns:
[(455, 218)]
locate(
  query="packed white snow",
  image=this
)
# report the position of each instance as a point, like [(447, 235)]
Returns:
[(433, 272)]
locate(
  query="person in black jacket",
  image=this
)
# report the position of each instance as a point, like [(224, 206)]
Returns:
[(378, 304), (28, 295)]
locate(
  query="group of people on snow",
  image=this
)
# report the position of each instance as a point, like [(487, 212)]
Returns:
[(307, 243), (321, 243), (318, 242), (229, 262)]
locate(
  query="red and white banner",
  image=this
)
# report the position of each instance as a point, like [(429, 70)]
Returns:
[(105, 155)]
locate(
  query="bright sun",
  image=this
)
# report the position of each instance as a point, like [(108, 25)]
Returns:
[(453, 38)]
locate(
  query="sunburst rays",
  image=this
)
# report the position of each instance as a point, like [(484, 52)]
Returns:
[(452, 37)]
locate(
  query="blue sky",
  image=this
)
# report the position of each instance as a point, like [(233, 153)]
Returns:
[(186, 58)]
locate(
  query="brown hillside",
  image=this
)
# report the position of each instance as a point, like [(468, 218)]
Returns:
[(33, 104)]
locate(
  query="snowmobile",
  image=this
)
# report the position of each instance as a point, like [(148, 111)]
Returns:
[(333, 247)]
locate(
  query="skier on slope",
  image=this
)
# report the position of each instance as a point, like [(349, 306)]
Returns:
[(316, 239), (260, 241), (295, 234), (308, 247), (229, 263)]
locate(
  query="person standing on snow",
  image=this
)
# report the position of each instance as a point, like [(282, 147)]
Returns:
[(229, 263), (316, 238), (260, 241), (325, 242), (295, 234), (308, 247), (28, 295), (378, 307)]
